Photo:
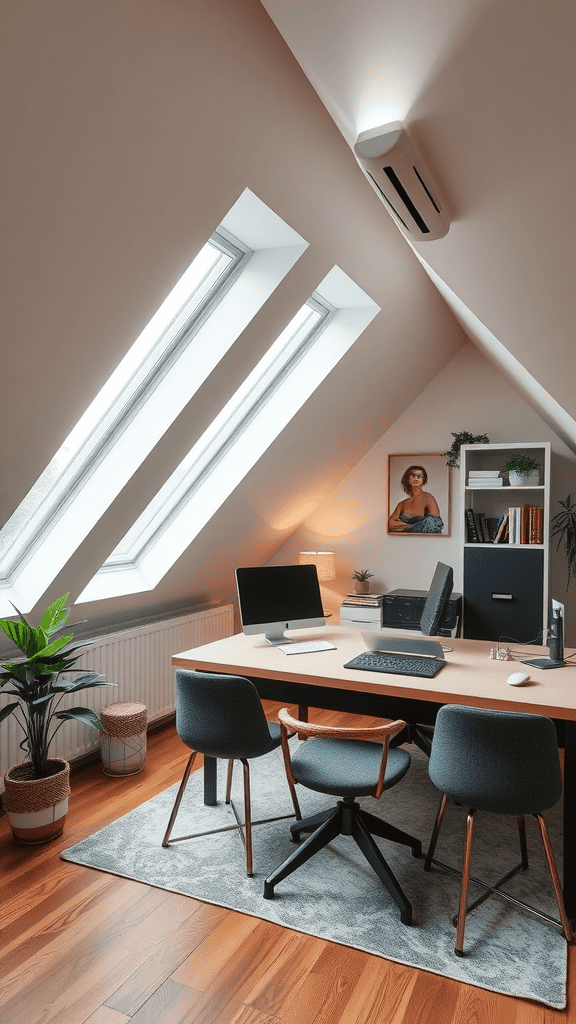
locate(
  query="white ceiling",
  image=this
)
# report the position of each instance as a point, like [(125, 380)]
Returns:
[(487, 89)]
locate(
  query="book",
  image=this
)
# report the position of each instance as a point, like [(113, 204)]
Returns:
[(484, 473), (479, 482), (492, 523), (501, 531), (369, 600), (482, 528), (471, 527)]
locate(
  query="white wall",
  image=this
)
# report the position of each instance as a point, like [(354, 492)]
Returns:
[(469, 394)]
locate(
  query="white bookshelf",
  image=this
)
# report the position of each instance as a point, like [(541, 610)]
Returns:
[(505, 585)]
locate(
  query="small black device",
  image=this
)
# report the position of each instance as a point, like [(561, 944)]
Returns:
[(273, 598), (555, 640)]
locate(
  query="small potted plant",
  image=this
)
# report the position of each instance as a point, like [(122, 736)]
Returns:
[(522, 470), (460, 438), (36, 796), (361, 577)]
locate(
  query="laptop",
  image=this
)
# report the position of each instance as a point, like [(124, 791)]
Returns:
[(399, 656)]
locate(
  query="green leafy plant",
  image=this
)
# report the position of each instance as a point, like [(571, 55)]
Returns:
[(361, 575), (564, 527), (35, 681), (519, 463), (463, 437)]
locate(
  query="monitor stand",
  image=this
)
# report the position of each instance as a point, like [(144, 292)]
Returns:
[(277, 638), (545, 663)]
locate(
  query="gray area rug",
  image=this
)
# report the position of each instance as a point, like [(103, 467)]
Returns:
[(337, 896)]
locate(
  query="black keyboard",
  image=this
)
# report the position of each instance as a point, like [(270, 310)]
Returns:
[(397, 664)]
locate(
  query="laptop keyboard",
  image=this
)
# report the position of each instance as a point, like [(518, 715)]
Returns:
[(396, 664)]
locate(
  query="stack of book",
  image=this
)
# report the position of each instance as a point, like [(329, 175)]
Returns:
[(481, 529), (519, 525), (362, 610), (484, 478)]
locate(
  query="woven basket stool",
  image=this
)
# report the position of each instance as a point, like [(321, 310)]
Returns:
[(123, 745)]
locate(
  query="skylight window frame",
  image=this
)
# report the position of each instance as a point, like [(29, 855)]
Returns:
[(177, 334), (352, 312), (275, 247), (220, 437)]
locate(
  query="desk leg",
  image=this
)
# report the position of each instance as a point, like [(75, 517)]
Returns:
[(210, 792), (569, 887)]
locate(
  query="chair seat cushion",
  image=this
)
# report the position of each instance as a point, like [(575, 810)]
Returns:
[(346, 767)]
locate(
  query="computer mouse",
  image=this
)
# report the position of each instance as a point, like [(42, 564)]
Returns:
[(518, 678)]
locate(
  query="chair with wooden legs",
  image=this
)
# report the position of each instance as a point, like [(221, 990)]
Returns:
[(221, 716), (347, 763), (502, 762)]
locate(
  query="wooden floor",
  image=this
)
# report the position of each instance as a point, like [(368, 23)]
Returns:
[(78, 945)]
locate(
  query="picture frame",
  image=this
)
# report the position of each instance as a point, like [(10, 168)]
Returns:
[(418, 510)]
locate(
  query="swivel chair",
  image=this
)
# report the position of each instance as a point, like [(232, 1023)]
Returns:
[(221, 716), (345, 762), (501, 762)]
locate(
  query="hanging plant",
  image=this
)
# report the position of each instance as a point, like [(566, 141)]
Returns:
[(564, 527), (463, 437)]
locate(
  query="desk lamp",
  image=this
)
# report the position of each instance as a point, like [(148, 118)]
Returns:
[(325, 563)]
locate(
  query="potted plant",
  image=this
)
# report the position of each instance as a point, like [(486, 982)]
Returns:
[(361, 577), (564, 527), (36, 796), (522, 470), (462, 437)]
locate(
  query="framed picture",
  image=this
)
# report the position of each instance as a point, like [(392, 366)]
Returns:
[(418, 495)]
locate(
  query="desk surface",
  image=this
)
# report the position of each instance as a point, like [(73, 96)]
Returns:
[(469, 676)]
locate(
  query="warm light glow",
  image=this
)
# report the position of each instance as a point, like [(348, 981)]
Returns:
[(324, 561)]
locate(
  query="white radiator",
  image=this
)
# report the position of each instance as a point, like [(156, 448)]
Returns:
[(138, 661)]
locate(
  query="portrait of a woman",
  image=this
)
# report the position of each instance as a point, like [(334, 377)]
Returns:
[(419, 512)]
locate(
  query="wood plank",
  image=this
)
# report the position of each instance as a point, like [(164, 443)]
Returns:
[(328, 987), (188, 928), (104, 1015)]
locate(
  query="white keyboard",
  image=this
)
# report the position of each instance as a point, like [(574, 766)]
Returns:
[(310, 647)]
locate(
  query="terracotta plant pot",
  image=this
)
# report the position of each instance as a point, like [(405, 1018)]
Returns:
[(361, 586), (36, 808)]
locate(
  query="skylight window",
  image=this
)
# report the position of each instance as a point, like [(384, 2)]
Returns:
[(318, 336), (195, 326)]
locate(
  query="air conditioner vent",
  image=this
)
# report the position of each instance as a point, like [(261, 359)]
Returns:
[(397, 173)]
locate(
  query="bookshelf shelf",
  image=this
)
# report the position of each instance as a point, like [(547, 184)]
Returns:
[(518, 569)]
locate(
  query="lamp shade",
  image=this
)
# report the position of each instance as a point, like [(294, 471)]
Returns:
[(324, 561)]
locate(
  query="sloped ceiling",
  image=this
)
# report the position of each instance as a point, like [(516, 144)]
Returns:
[(488, 89), (131, 129)]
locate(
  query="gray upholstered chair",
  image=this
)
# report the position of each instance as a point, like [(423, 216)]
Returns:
[(346, 763), (504, 763), (221, 716)]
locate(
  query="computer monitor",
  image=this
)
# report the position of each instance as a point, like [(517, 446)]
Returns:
[(273, 598), (555, 639), (437, 601)]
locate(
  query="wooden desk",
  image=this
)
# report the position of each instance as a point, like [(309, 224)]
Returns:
[(470, 678)]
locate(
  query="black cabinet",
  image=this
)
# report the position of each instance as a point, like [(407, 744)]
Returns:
[(503, 594)]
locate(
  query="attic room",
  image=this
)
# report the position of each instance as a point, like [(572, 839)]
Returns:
[(134, 131)]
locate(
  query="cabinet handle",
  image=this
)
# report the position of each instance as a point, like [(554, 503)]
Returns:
[(502, 597)]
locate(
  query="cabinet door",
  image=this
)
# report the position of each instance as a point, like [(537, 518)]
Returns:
[(503, 594)]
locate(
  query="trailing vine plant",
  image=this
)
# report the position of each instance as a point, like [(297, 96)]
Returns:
[(462, 437), (564, 527)]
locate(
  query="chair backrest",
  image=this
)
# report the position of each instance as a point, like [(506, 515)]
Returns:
[(220, 715), (437, 601), (500, 761)]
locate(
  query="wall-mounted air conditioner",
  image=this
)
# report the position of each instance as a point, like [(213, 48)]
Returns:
[(398, 175)]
